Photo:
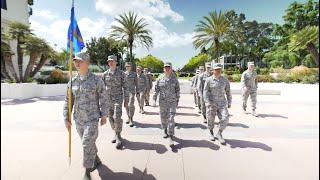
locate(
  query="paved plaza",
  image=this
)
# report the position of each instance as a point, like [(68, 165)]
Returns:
[(282, 143)]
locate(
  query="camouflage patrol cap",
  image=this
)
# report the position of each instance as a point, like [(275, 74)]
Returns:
[(128, 64), (146, 69), (167, 64), (82, 56), (217, 66), (112, 58), (208, 65), (201, 67), (251, 63), (139, 67)]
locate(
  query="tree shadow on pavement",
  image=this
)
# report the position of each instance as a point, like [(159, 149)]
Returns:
[(185, 143), (135, 146), (247, 144), (146, 125), (106, 173), (272, 115), (32, 100)]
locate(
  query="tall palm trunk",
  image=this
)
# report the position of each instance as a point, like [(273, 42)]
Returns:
[(314, 52), (3, 69), (9, 66), (20, 60), (42, 61), (32, 61), (217, 43)]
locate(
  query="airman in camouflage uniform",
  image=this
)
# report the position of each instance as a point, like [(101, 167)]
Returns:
[(89, 102), (217, 97), (168, 89), (148, 85), (200, 84), (201, 70), (141, 88), (249, 83), (193, 86), (131, 83), (116, 90)]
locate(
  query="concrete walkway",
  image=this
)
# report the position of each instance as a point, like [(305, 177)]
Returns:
[(282, 143)]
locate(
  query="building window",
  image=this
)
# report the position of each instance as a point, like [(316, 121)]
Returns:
[(4, 4)]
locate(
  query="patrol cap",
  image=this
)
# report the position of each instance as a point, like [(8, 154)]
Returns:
[(112, 58), (82, 57), (208, 65), (201, 67), (146, 69), (128, 64), (167, 64), (251, 63), (139, 67), (217, 66)]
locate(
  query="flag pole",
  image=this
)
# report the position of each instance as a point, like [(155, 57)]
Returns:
[(69, 99)]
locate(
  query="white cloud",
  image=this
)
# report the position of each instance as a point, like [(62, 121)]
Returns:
[(56, 31), (154, 8), (45, 14)]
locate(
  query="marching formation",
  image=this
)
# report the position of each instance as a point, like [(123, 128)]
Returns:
[(95, 98)]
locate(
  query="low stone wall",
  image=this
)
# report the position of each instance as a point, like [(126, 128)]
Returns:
[(30, 90)]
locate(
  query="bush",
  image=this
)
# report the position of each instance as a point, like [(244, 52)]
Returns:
[(312, 79), (56, 77), (264, 78), (264, 71), (236, 77), (47, 72)]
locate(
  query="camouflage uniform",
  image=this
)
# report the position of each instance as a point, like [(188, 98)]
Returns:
[(148, 85), (141, 89), (197, 93), (193, 83), (217, 97), (249, 85), (131, 83), (116, 90), (168, 90), (200, 85), (89, 102)]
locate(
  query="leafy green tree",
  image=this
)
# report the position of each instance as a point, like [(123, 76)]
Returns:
[(195, 62), (306, 38), (99, 50), (151, 62)]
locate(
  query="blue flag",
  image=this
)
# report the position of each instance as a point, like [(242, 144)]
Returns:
[(74, 34)]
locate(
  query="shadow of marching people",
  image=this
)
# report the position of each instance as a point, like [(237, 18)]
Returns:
[(135, 146), (247, 144), (235, 125), (106, 173), (272, 115), (146, 125), (185, 143)]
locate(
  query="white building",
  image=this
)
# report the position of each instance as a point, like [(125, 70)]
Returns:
[(15, 11)]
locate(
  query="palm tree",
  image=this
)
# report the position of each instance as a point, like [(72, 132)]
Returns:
[(35, 47), (306, 39), (132, 29), (211, 31), (19, 32)]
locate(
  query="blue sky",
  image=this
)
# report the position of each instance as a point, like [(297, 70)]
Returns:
[(171, 22)]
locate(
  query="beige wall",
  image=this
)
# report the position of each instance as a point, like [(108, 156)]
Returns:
[(17, 10)]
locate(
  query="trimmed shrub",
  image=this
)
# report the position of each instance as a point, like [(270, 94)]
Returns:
[(264, 78), (236, 77)]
